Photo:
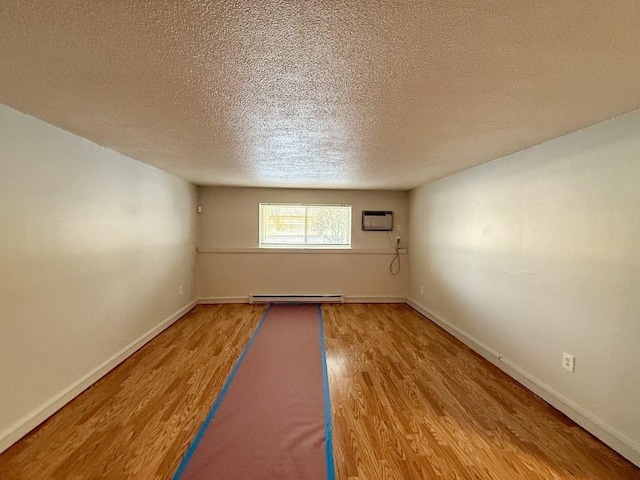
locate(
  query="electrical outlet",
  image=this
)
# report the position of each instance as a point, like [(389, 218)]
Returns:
[(421, 289), (180, 290), (569, 362), (397, 242)]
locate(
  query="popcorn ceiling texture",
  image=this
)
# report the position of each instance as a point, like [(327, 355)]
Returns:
[(339, 94)]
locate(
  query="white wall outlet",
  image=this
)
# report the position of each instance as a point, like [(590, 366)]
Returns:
[(180, 290), (397, 242), (569, 362), (421, 289), (398, 228)]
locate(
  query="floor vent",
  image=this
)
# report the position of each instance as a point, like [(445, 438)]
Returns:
[(300, 298)]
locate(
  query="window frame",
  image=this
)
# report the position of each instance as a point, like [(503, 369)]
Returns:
[(305, 245)]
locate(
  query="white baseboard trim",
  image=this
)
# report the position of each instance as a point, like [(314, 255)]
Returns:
[(27, 423), (608, 435), (373, 299), (217, 300)]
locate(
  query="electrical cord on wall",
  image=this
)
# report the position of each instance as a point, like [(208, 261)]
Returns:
[(396, 259)]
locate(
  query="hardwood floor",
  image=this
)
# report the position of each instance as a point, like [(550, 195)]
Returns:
[(137, 421), (408, 401)]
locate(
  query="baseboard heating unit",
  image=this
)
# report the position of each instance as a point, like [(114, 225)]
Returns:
[(296, 298)]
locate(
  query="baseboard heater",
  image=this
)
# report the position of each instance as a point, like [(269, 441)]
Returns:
[(299, 298)]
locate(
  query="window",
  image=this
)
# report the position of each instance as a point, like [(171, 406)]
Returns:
[(305, 226)]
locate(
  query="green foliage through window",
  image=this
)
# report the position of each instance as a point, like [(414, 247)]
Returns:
[(307, 226)]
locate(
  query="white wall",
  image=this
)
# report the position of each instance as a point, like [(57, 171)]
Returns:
[(94, 248), (231, 267), (537, 254)]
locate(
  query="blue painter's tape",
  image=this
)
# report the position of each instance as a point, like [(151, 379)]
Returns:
[(328, 433), (216, 404)]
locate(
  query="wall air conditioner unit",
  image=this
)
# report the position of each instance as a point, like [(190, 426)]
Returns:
[(379, 220)]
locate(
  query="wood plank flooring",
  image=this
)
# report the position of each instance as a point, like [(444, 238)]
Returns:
[(137, 421), (408, 401)]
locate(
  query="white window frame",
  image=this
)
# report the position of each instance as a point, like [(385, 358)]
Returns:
[(312, 246)]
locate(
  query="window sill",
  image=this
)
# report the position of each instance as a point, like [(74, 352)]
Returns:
[(304, 251)]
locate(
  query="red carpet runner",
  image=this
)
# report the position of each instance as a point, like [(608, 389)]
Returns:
[(271, 420)]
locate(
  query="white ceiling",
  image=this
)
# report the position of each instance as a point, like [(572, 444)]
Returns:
[(326, 93)]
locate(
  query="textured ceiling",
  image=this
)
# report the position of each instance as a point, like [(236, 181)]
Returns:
[(326, 93)]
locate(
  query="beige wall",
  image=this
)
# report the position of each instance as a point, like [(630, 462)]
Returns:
[(230, 266), (537, 254), (94, 248)]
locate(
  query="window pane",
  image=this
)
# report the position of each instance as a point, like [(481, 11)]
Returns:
[(283, 224), (314, 226), (328, 225)]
